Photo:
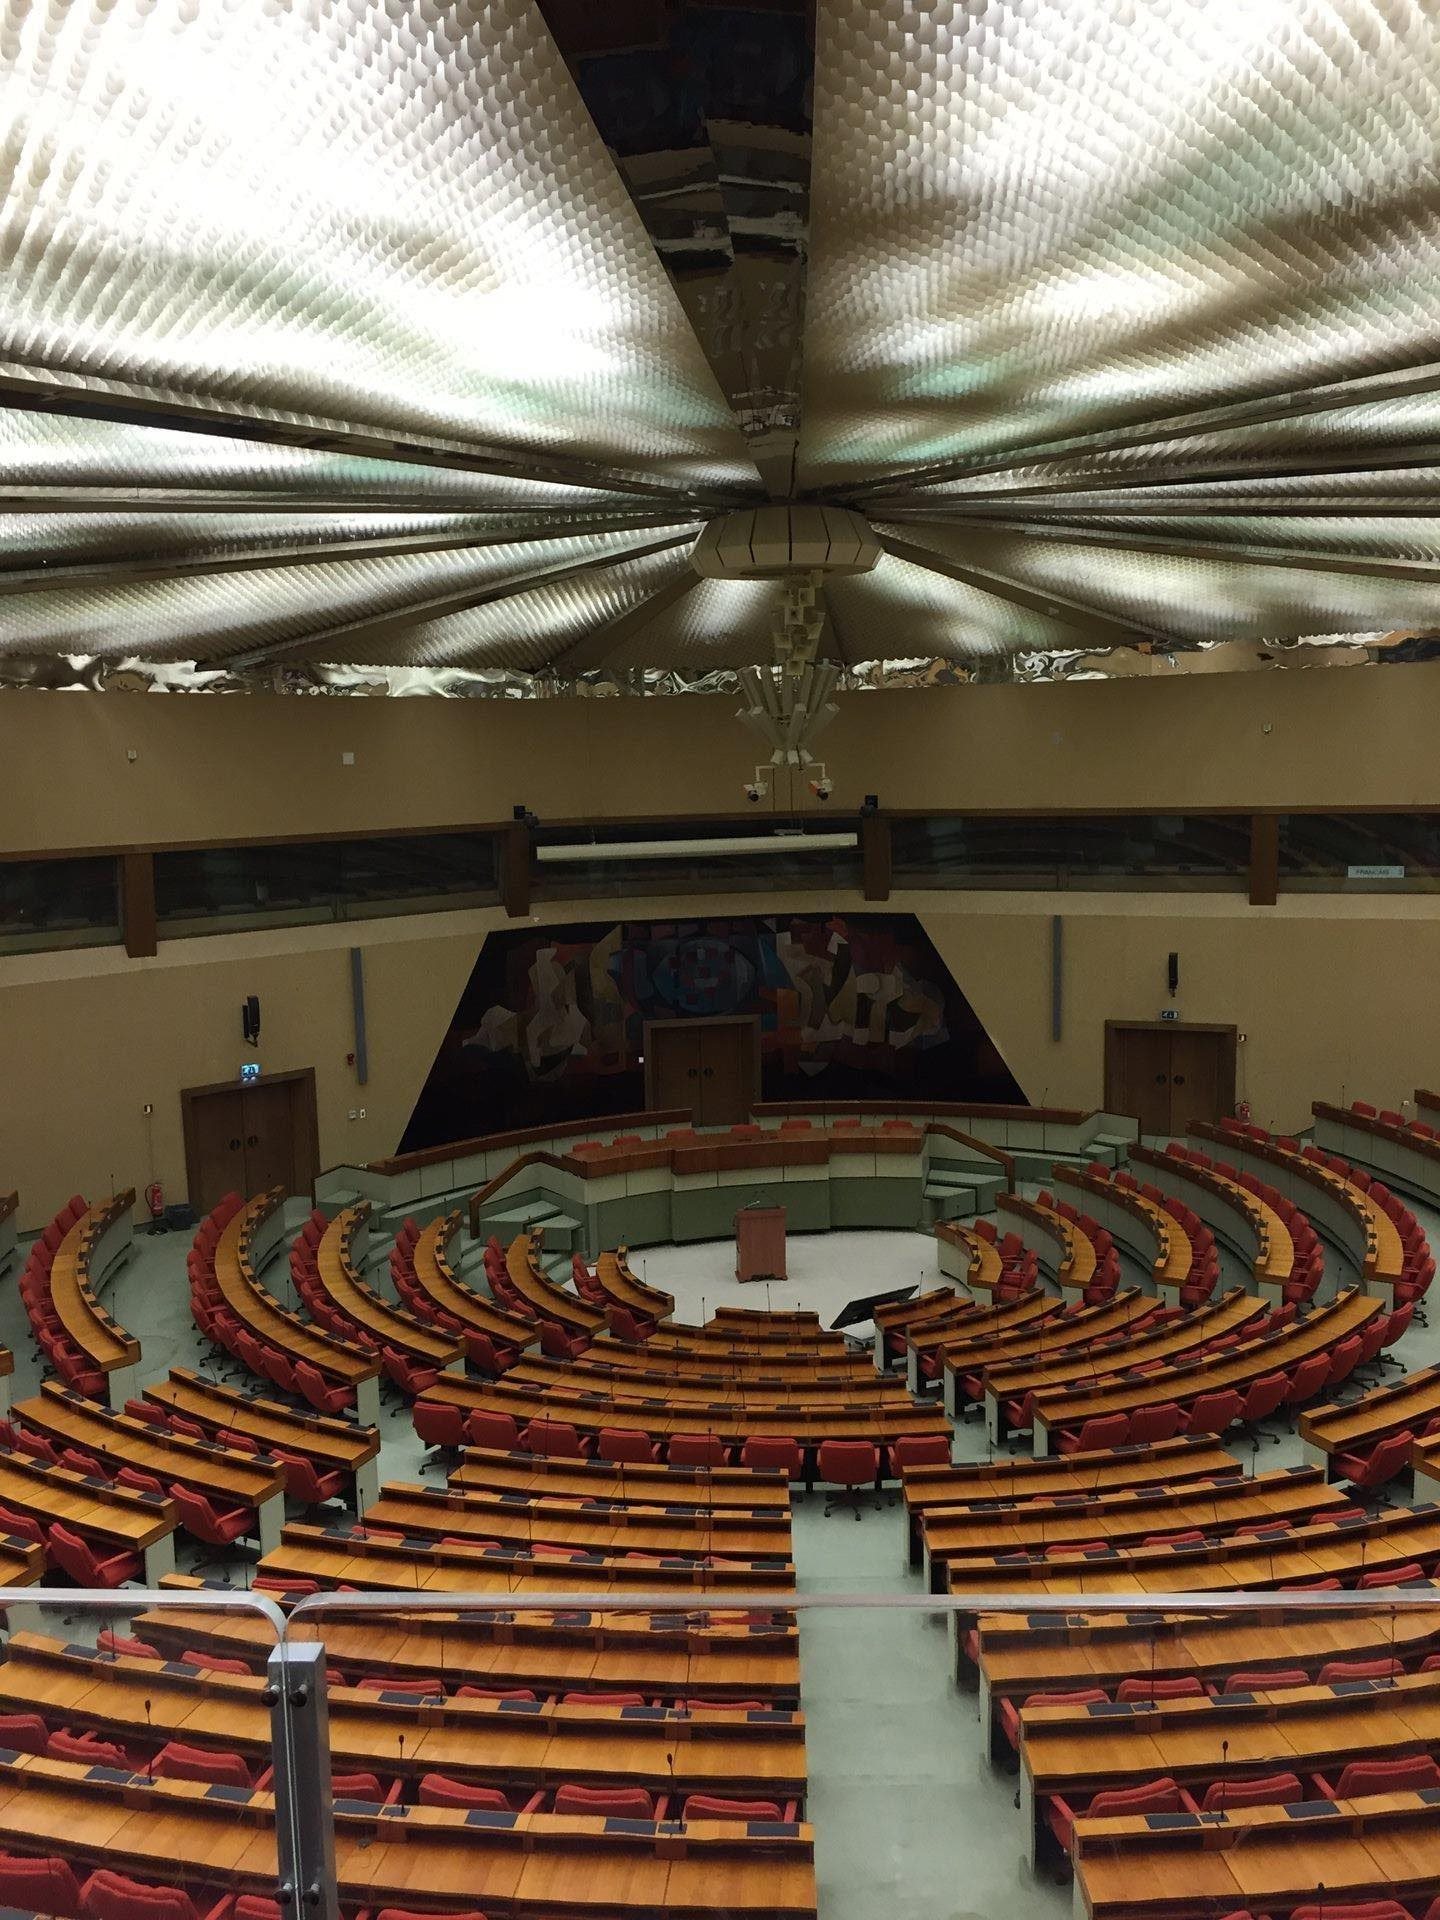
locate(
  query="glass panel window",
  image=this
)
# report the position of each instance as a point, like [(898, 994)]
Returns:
[(59, 903), (1360, 852), (1146, 851)]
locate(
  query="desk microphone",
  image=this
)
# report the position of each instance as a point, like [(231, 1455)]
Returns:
[(150, 1744), (1224, 1776), (670, 1763)]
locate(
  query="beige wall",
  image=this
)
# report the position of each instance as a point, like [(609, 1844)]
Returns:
[(212, 767), (1336, 998)]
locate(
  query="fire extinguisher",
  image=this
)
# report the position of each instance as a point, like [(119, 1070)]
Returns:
[(155, 1200), (1242, 1110)]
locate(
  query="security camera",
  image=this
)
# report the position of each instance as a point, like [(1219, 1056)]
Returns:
[(822, 789), (755, 790)]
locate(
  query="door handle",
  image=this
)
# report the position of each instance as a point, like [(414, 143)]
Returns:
[(1179, 1079), (709, 1072), (252, 1139), (235, 1144), (1160, 1079), (692, 1073)]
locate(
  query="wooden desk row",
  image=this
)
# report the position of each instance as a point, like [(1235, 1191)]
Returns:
[(1341, 1211), (1408, 1159), (1412, 1401), (1319, 1330), (746, 1387), (1248, 1225), (435, 1272), (528, 1278), (672, 1656), (231, 1478), (748, 1490), (334, 1445), (964, 1255), (627, 1290), (1065, 1253), (246, 1243), (966, 1359), (1149, 1232), (339, 1258), (939, 1490), (526, 1864), (98, 1243), (520, 1746), (973, 1321), (125, 1520)]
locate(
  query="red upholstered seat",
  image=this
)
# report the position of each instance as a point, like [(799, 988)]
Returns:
[(1269, 1790), (39, 1886), (627, 1444), (177, 1761), (614, 1803), (775, 1451), (705, 1806), (107, 1895), (696, 1450), (1154, 1796)]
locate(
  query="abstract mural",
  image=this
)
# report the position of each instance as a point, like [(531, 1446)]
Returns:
[(550, 1025)]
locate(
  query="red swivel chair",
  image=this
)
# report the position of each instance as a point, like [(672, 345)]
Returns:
[(1214, 1412), (556, 1438), (1155, 1796), (705, 1806), (436, 1790), (630, 1327), (176, 1761), (1187, 1686), (612, 1803), (774, 1451), (411, 1376), (1337, 1671), (628, 1445), (441, 1425), (853, 1466), (39, 1886), (21, 1526), (1269, 1790), (482, 1352), (1408, 1774), (1343, 1361), (120, 1644), (557, 1344), (215, 1526), (114, 1896), (140, 1482), (76, 1557), (1366, 1472), (920, 1450), (1010, 1713), (305, 1481), (88, 1750), (1105, 1430), (147, 1411), (696, 1450), (580, 1698), (1264, 1397), (23, 1733), (723, 1706), (1258, 1680), (1150, 1424), (1391, 1576), (496, 1431), (467, 1692), (1308, 1379), (324, 1399)]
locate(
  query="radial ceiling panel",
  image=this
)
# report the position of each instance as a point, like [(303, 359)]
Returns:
[(429, 334), (389, 219)]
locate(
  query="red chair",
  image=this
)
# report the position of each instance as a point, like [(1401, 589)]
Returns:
[(556, 1438), (496, 1431), (1308, 1379), (215, 1526), (613, 1803), (23, 1733), (851, 1465), (1105, 1430), (21, 1526), (696, 1450), (76, 1557), (1270, 1790), (920, 1450), (580, 1698), (1365, 1472), (1257, 1680), (305, 1481), (1010, 1713), (630, 1327), (39, 1886), (723, 1706), (557, 1344), (147, 1411), (1182, 1687), (774, 1451), (1265, 1396), (311, 1383), (410, 1375), (1155, 1796), (1149, 1424), (176, 1761), (361, 1786), (87, 1749), (440, 1424), (1343, 1361), (1408, 1774), (114, 1896), (468, 1692), (627, 1444), (118, 1643), (705, 1806), (1214, 1412), (482, 1352), (424, 1688), (436, 1790), (138, 1482), (1391, 1576)]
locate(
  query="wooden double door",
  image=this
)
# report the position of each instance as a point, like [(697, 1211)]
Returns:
[(1166, 1074), (247, 1137), (710, 1066)]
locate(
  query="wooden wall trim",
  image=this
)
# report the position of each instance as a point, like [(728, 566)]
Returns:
[(1264, 859), (515, 867), (137, 905), (875, 865)]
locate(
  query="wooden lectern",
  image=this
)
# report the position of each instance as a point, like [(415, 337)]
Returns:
[(760, 1243)]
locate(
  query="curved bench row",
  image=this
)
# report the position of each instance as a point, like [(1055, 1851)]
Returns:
[(78, 1252)]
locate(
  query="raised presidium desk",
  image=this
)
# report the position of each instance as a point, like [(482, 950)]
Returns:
[(760, 1243)]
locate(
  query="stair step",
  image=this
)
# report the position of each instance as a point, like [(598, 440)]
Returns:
[(539, 1213)]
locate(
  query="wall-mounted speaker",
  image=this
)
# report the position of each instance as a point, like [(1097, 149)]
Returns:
[(250, 1019), (1172, 972)]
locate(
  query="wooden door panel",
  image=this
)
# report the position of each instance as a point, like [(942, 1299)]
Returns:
[(724, 1050), (215, 1146), (674, 1066), (1137, 1078), (1202, 1077), (269, 1115)]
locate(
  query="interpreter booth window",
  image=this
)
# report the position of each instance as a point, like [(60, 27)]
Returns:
[(1360, 853), (58, 903), (220, 889), (1151, 851)]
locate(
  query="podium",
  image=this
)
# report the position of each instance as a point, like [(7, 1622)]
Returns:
[(760, 1243)]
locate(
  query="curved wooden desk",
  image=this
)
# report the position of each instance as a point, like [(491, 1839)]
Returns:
[(1408, 1157), (127, 1521), (1339, 1209), (1065, 1252), (522, 1263), (1150, 1233), (1411, 1401), (1100, 1359), (540, 1865), (626, 1289), (239, 1479), (247, 1239), (970, 1321), (1247, 1224), (1075, 1329), (1322, 1329), (338, 1259), (741, 1489), (451, 1295), (339, 1446), (95, 1246), (612, 1381)]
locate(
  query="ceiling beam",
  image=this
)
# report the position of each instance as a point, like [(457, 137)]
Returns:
[(128, 572), (1227, 552), (438, 607), (1290, 404), (1097, 629), (36, 393), (1264, 505), (596, 648)]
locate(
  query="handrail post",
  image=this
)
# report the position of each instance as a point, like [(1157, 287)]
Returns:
[(304, 1809)]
